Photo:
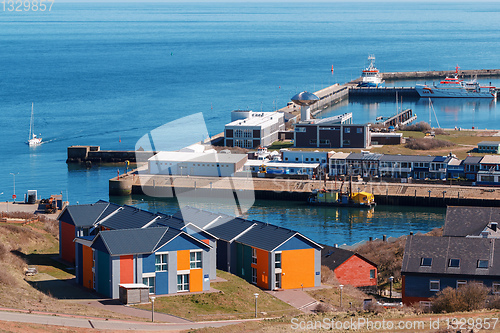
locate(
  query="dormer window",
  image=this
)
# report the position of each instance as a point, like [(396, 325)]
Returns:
[(482, 264), (426, 262), (454, 263)]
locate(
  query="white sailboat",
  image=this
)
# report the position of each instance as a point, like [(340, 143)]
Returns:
[(33, 140)]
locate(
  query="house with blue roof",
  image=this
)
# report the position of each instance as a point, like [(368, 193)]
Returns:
[(269, 256), (273, 257), (165, 259)]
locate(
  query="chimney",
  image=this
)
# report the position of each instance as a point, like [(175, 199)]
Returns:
[(494, 226)]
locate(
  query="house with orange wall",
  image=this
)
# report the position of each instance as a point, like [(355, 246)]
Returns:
[(267, 255), (273, 257), (349, 267), (165, 259)]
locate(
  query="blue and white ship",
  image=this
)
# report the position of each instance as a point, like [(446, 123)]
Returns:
[(371, 76), (454, 87)]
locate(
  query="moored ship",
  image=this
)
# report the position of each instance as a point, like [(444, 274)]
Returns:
[(454, 87), (371, 76)]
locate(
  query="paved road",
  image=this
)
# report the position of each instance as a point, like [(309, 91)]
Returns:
[(95, 323)]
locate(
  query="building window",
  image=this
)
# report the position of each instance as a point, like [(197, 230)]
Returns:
[(195, 259), (346, 142), (426, 262), (482, 264), (372, 274), (496, 287), (434, 285), (277, 260), (347, 130), (150, 282), (461, 283), (161, 263), (359, 130), (254, 256), (183, 282), (454, 263), (254, 275)]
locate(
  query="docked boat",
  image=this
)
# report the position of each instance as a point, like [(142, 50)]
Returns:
[(371, 76), (348, 198), (33, 140), (337, 198), (454, 87)]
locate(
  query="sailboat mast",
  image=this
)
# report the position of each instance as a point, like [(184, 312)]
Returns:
[(31, 122)]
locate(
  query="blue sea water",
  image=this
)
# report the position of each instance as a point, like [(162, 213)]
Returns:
[(108, 73)]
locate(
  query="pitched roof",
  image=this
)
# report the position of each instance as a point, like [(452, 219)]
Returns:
[(365, 157), (266, 236), (135, 241), (473, 159), (87, 215), (128, 217), (228, 228), (199, 217), (490, 159), (333, 257), (406, 158), (441, 249), (489, 143), (469, 221)]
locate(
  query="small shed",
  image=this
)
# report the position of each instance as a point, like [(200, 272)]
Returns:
[(133, 293)]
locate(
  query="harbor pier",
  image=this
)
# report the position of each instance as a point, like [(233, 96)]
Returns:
[(435, 195)]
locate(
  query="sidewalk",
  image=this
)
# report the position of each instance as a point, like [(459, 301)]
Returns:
[(116, 306), (14, 315), (297, 298)]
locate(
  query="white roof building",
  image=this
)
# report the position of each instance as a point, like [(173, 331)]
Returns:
[(257, 129)]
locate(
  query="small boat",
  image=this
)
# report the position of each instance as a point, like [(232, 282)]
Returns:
[(33, 140), (338, 198), (371, 76), (454, 87)]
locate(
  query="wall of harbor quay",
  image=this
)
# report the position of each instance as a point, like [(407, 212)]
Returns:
[(300, 196), (299, 190), (93, 154), (438, 74), (408, 200)]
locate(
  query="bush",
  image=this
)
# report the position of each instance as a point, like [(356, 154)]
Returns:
[(322, 308), (387, 256), (440, 131), (467, 298), (328, 276), (427, 143), (418, 127)]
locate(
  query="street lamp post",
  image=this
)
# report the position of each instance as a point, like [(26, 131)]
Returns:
[(341, 287), (14, 175), (256, 296), (153, 309), (390, 292)]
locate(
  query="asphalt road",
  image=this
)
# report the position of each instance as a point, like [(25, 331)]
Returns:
[(94, 323)]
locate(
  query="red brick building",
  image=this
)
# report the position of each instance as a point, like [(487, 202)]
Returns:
[(349, 267)]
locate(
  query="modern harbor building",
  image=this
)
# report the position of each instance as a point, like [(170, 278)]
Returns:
[(249, 129)]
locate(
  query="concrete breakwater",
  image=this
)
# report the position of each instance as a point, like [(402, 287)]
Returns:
[(93, 154), (438, 74), (438, 195)]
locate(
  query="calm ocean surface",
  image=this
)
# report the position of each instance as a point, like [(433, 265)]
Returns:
[(106, 74)]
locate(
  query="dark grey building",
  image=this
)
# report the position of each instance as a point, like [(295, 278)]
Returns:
[(324, 134)]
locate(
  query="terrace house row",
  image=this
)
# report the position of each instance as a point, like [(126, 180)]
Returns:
[(368, 164), (114, 245)]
